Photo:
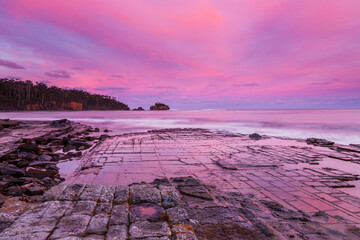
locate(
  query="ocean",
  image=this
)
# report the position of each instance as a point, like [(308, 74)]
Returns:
[(339, 125)]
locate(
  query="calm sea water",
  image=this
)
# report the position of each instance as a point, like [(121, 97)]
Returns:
[(341, 126)]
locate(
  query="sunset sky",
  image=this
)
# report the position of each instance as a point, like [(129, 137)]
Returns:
[(190, 54)]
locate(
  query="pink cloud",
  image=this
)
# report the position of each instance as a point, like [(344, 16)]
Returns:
[(211, 50)]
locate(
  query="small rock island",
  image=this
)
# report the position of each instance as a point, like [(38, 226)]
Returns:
[(160, 106)]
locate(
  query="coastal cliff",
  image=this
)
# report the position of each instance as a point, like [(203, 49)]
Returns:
[(18, 95)]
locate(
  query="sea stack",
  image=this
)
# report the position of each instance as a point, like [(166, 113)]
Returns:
[(160, 106)]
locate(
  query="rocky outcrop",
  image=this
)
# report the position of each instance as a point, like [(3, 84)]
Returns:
[(319, 142), (160, 106), (138, 109), (30, 168), (255, 136), (72, 106)]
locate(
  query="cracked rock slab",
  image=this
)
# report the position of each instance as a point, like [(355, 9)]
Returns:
[(91, 192), (107, 194), (177, 215), (117, 232), (74, 225), (121, 194), (145, 229), (170, 196), (119, 214), (72, 192), (143, 193), (98, 223)]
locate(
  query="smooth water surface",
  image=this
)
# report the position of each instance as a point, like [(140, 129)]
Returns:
[(341, 126)]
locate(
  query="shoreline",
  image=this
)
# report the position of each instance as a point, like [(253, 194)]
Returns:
[(249, 184)]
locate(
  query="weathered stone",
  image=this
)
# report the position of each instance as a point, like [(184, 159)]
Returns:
[(119, 214), (143, 193), (149, 229), (54, 193), (25, 226), (56, 209), (40, 164), (72, 192), (37, 211), (319, 142), (74, 225), (25, 236), (7, 169), (98, 224), (30, 148), (91, 192), (6, 220), (170, 196), (146, 211), (186, 236), (196, 191), (81, 208), (117, 232), (182, 228), (23, 163), (103, 207), (121, 194), (255, 136), (44, 158), (156, 238), (16, 191), (60, 123), (107, 194), (70, 238), (177, 215), (41, 140), (94, 237), (40, 172), (34, 190)]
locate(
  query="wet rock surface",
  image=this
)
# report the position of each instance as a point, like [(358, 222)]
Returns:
[(194, 184), (29, 152), (229, 215)]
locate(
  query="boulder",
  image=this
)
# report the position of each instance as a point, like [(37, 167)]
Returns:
[(319, 142), (34, 190), (44, 158), (27, 140), (30, 148), (138, 109), (7, 169), (40, 172), (23, 163), (41, 164), (255, 136), (159, 106), (41, 140), (60, 123), (27, 156)]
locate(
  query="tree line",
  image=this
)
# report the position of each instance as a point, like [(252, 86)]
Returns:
[(16, 95)]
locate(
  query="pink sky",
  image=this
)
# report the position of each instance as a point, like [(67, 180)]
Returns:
[(192, 54)]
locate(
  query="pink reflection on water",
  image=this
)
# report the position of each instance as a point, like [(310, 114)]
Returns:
[(341, 126)]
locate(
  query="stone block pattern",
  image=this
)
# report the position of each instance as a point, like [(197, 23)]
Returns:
[(210, 186), (79, 211)]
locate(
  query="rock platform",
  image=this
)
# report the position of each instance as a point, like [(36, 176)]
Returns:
[(197, 184)]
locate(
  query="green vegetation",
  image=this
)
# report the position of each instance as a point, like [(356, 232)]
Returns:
[(27, 96)]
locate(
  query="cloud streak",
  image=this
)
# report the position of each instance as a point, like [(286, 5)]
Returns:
[(58, 74), (9, 64), (215, 51)]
